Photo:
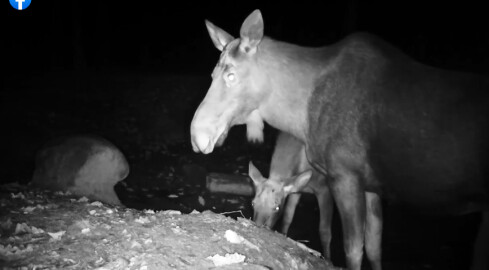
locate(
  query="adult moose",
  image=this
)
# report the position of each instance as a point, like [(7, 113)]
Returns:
[(372, 119)]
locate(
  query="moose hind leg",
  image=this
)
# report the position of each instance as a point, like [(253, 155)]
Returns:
[(480, 258)]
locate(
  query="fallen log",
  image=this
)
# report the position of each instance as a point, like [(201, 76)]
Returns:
[(230, 183)]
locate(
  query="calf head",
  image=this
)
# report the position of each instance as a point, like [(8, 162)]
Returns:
[(271, 194)]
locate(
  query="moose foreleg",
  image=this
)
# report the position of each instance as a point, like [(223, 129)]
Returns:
[(350, 200), (325, 202), (480, 260), (373, 230)]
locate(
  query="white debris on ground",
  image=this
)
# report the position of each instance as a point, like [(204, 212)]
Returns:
[(235, 238), (219, 260)]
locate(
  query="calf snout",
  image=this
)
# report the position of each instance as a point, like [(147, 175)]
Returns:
[(262, 220)]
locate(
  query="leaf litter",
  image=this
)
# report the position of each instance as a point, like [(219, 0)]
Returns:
[(64, 232)]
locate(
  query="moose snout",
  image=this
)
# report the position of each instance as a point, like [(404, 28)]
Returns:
[(206, 128), (202, 133), (201, 142)]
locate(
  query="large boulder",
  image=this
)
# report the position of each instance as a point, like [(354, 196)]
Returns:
[(84, 165)]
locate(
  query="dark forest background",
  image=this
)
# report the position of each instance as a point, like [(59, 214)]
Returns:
[(135, 71), (171, 35)]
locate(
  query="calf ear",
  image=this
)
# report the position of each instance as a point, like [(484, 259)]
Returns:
[(298, 182), (219, 37), (251, 32), (255, 174)]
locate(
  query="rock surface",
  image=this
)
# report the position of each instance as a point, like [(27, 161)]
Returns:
[(84, 165)]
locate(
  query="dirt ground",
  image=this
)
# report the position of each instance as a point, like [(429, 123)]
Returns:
[(147, 115), (46, 230)]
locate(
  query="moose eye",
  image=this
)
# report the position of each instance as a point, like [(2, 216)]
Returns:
[(277, 208), (231, 76), (253, 204)]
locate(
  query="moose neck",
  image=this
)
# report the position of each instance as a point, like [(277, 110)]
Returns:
[(290, 73)]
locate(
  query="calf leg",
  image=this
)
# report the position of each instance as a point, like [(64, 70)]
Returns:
[(480, 259), (289, 211), (373, 230)]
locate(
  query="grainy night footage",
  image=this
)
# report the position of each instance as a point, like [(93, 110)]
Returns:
[(320, 135)]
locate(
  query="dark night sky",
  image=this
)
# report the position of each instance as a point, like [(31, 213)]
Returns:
[(156, 34)]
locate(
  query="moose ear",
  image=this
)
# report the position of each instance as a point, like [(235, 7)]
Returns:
[(219, 37), (255, 174), (251, 32), (298, 182)]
